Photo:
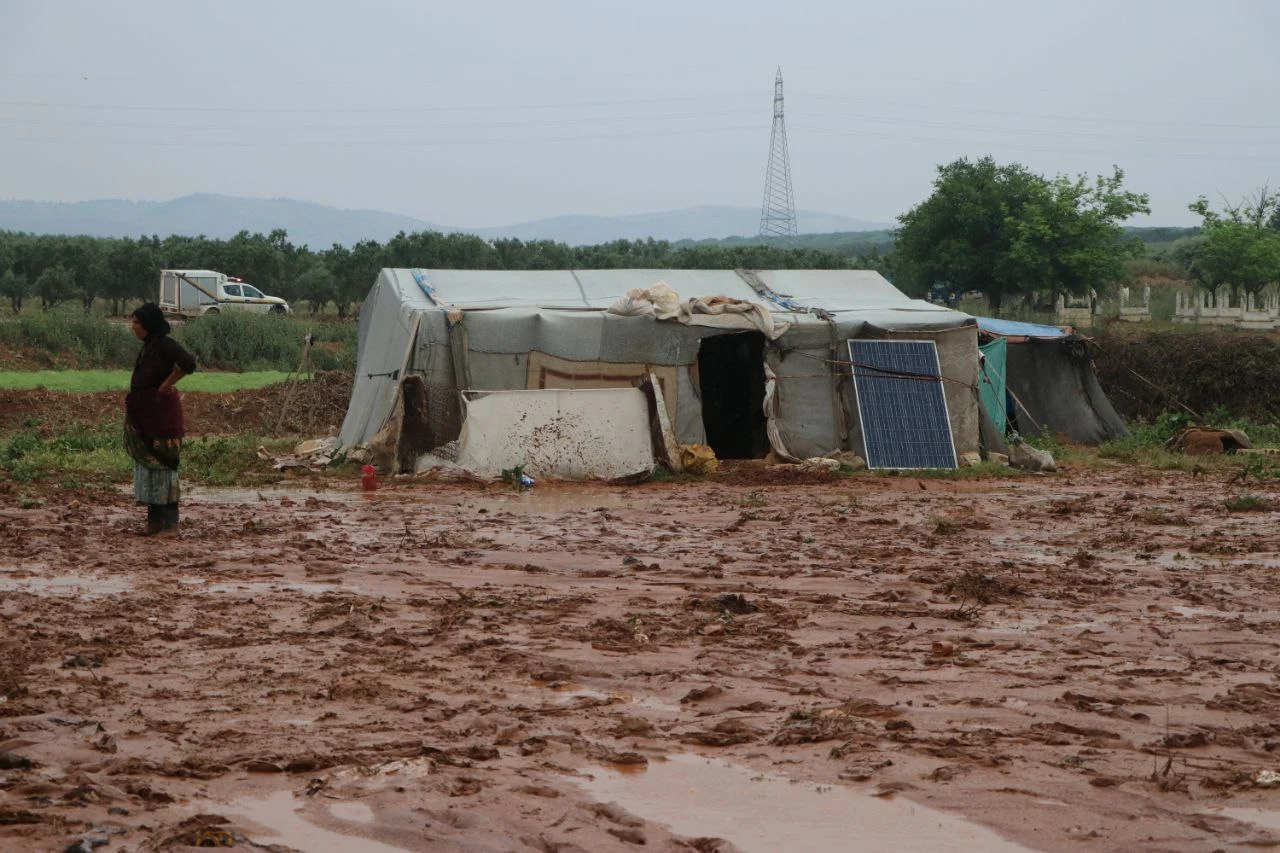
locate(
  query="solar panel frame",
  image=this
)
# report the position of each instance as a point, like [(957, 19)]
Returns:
[(906, 424)]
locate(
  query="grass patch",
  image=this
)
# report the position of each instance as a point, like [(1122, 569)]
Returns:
[(88, 381), (1145, 446), (964, 472), (1249, 503), (84, 456), (81, 455)]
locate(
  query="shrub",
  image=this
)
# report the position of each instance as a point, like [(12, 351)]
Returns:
[(68, 333), (236, 341)]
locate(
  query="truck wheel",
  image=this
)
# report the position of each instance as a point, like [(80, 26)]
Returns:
[(211, 311)]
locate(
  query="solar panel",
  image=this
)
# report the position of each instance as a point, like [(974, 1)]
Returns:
[(901, 405)]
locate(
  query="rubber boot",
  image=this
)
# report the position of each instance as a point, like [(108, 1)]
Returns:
[(169, 519), (155, 520)]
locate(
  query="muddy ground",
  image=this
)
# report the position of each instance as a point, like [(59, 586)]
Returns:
[(1084, 660)]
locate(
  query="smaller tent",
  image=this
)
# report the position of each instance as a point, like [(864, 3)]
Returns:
[(1049, 377)]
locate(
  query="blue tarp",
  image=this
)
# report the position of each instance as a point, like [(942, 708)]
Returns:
[(1014, 329)]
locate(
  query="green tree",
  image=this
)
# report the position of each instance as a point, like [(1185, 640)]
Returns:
[(317, 286), (354, 271), (132, 273), (56, 284), (1010, 233), (1239, 248), (15, 288)]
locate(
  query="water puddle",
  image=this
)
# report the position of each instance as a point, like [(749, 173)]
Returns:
[(1193, 612), (655, 704), (306, 587), (354, 812), (278, 816), (1014, 626), (567, 697), (1258, 817), (568, 691), (761, 813), (250, 497), (64, 585), (538, 501)]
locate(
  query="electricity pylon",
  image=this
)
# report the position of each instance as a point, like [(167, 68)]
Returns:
[(778, 213)]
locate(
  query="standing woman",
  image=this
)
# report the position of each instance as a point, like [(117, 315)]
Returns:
[(153, 427)]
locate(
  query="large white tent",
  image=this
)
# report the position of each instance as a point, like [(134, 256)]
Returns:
[(752, 360)]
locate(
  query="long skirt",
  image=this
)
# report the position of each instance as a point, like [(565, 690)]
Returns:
[(155, 485), (155, 466)]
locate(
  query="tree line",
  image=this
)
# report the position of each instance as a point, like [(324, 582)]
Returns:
[(54, 269), (999, 229)]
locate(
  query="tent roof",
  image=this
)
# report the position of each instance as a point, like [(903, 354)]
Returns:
[(1014, 329), (783, 291)]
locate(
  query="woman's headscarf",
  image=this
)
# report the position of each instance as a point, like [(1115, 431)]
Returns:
[(151, 318)]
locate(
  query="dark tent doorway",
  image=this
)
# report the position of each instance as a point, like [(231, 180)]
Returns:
[(731, 380)]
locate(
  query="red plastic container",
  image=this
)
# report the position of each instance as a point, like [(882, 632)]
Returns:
[(368, 478)]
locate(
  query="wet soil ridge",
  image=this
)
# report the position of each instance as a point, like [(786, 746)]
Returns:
[(315, 407), (1083, 657), (1147, 372)]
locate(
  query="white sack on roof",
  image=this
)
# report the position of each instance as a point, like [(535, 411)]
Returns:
[(659, 301), (722, 312), (715, 312)]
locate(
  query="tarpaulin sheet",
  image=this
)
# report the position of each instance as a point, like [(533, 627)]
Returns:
[(991, 382), (1015, 329)]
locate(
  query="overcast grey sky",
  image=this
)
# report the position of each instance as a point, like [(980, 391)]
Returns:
[(488, 112)]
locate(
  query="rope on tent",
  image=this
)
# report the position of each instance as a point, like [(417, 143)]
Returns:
[(891, 374), (1034, 422)]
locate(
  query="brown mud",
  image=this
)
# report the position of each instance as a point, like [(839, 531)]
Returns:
[(1080, 661)]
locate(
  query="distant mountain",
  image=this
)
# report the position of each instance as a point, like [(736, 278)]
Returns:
[(216, 216), (691, 223), (320, 226)]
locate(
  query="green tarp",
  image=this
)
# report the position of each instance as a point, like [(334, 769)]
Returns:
[(991, 382)]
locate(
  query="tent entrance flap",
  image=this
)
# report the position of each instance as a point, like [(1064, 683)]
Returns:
[(731, 380)]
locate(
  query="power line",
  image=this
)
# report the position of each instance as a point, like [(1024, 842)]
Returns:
[(1110, 152), (365, 110), (366, 126), (1048, 116), (1037, 131), (415, 143)]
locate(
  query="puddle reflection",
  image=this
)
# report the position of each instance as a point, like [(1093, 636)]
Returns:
[(697, 796), (278, 815), (69, 585)]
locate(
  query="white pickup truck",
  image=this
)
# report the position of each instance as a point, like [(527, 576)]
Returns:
[(191, 293)]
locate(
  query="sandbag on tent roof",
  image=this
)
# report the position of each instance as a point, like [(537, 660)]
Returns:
[(751, 359), (1049, 372)]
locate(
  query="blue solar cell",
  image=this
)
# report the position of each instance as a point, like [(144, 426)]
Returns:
[(901, 404)]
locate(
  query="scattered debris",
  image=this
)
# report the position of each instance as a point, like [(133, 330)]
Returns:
[(1266, 779), (1198, 441), (698, 459), (1023, 455)]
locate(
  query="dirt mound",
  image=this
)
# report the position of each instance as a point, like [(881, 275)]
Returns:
[(1146, 372), (310, 407)]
